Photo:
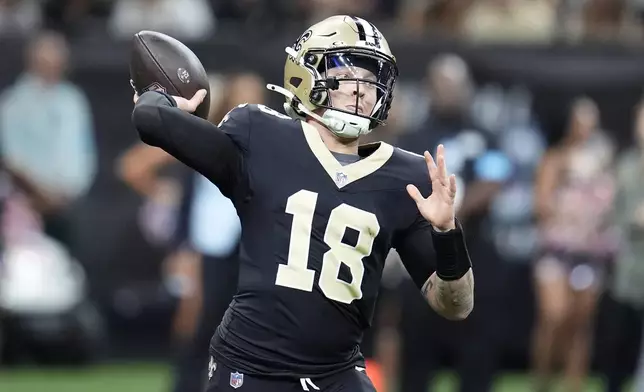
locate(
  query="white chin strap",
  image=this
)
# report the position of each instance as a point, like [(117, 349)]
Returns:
[(343, 125)]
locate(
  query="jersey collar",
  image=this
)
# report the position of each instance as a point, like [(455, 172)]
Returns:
[(345, 175)]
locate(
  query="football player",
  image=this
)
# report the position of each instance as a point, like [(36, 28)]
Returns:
[(319, 212)]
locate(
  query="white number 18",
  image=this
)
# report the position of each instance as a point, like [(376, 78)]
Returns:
[(297, 275)]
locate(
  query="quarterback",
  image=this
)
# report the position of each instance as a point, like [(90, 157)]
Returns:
[(319, 212)]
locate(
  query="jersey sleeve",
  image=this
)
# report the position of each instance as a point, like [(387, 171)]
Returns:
[(414, 246), (215, 152), (413, 242)]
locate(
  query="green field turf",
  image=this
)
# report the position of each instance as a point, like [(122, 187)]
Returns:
[(154, 378)]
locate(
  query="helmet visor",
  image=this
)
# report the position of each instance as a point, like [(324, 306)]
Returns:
[(357, 83)]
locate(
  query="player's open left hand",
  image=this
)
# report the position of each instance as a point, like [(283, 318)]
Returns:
[(438, 208), (187, 105)]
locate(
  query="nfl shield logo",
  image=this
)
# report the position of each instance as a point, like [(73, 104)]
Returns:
[(340, 178), (236, 380)]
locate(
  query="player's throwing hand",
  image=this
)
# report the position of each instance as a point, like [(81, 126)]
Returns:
[(187, 105), (438, 208)]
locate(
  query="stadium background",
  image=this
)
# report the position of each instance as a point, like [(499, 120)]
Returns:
[(543, 76)]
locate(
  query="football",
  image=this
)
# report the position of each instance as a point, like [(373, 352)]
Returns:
[(160, 62)]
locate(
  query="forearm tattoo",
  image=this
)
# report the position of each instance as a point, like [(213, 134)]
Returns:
[(454, 299)]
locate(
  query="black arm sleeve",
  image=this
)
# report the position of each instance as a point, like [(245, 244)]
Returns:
[(447, 254), (196, 142), (416, 252)]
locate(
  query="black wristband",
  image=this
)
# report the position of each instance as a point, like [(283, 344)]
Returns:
[(452, 258)]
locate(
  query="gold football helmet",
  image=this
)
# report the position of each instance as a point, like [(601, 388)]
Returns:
[(343, 44)]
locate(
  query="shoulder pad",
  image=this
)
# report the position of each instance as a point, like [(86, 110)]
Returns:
[(410, 156), (236, 113), (260, 110), (256, 112), (414, 167), (414, 162)]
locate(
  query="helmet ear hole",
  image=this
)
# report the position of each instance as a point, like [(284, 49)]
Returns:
[(295, 82)]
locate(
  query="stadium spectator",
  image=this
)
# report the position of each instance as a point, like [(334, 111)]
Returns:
[(46, 132), (19, 17), (574, 197)]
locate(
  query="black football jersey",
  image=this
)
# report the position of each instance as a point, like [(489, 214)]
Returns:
[(315, 235)]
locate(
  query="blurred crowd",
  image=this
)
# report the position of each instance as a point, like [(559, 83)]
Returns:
[(476, 20), (571, 209)]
